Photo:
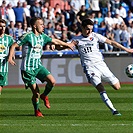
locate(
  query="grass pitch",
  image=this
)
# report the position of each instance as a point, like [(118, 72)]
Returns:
[(74, 109)]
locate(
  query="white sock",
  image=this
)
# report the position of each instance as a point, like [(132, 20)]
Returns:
[(107, 101)]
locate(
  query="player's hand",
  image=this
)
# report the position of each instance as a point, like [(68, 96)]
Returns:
[(129, 50), (11, 61), (72, 45), (52, 47)]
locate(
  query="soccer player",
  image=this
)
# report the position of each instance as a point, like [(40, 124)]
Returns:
[(5, 42), (93, 63), (31, 67)]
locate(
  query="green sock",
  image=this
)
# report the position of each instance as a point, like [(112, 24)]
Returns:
[(48, 88), (36, 104)]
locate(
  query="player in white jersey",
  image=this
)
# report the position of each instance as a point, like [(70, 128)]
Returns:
[(31, 67), (93, 63)]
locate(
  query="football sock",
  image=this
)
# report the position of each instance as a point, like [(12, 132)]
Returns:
[(48, 88), (107, 101), (36, 104)]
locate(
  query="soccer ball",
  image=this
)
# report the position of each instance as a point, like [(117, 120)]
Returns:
[(129, 71)]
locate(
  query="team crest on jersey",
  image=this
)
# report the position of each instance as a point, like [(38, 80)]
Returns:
[(91, 38), (37, 48), (2, 48)]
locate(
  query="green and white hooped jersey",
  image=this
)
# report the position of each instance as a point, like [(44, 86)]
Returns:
[(5, 42), (32, 47)]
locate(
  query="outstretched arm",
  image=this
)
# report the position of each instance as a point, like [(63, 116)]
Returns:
[(117, 45), (11, 54), (64, 44)]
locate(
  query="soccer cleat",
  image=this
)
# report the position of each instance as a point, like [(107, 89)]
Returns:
[(38, 113), (46, 101), (116, 113)]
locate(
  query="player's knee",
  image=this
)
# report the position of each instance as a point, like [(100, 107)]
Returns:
[(116, 86), (53, 83)]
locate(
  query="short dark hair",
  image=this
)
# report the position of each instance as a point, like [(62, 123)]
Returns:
[(2, 21), (34, 19), (86, 22)]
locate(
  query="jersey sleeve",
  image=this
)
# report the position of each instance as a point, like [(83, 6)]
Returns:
[(11, 41), (101, 38), (23, 39), (46, 39)]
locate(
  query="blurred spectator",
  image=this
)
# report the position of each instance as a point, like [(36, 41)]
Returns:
[(75, 5), (92, 16), (95, 6), (27, 13), (72, 17), (95, 26), (11, 14), (50, 31), (19, 13), (26, 28), (58, 30), (99, 18), (18, 31), (82, 14), (115, 4), (49, 19), (129, 18), (109, 20), (35, 9), (3, 10), (122, 12), (12, 29), (104, 7), (117, 32), (125, 37), (102, 29), (64, 36), (109, 35), (57, 8), (130, 29), (117, 18)]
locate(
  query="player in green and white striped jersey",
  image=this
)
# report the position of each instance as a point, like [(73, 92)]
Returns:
[(5, 42), (31, 68)]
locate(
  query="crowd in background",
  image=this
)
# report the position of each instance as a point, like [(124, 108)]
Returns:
[(112, 18)]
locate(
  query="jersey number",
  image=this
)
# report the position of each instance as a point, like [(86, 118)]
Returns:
[(87, 50)]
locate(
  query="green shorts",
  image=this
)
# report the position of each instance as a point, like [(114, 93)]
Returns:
[(29, 77), (3, 78)]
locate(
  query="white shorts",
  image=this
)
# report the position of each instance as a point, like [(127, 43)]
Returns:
[(99, 73)]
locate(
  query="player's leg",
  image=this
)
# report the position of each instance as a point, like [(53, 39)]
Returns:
[(106, 99), (3, 80), (35, 99), (116, 86), (0, 89), (94, 77), (30, 81), (108, 76), (45, 75), (50, 84)]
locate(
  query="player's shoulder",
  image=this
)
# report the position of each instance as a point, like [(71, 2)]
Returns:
[(8, 35), (77, 37)]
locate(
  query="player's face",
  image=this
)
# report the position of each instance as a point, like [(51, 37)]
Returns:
[(87, 30), (39, 26), (2, 28)]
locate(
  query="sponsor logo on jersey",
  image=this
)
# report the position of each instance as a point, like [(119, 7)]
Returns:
[(91, 38), (2, 48), (37, 48)]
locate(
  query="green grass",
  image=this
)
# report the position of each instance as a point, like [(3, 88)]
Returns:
[(74, 109)]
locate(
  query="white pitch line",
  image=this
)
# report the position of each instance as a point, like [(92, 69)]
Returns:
[(64, 125)]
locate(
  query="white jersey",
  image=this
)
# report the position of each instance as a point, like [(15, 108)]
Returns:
[(88, 48)]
